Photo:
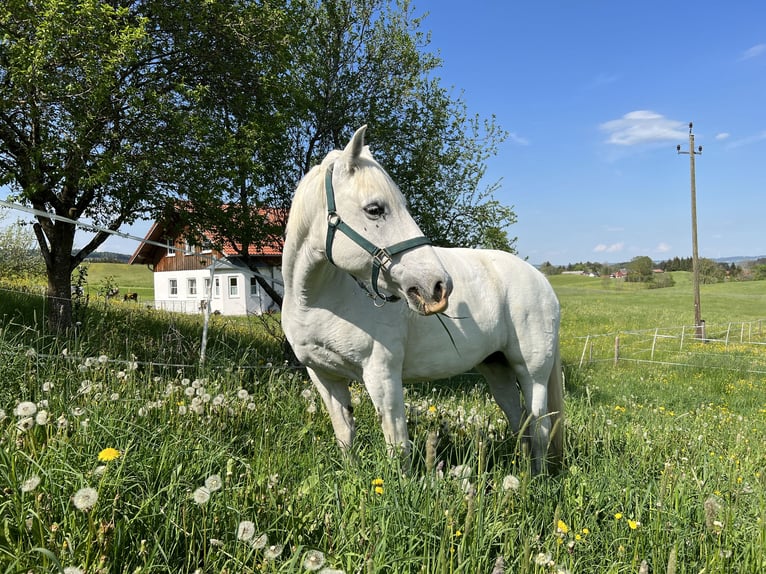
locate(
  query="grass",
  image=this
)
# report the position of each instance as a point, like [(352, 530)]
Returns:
[(664, 464)]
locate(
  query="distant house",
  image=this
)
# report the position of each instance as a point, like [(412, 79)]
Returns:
[(187, 277)]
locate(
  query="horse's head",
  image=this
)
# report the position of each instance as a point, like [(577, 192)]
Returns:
[(370, 232)]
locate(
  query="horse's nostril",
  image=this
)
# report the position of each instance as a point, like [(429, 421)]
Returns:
[(440, 291)]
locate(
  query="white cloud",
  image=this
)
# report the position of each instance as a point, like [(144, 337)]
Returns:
[(516, 138), (747, 141), (663, 248), (722, 136), (643, 126), (753, 52), (613, 248)]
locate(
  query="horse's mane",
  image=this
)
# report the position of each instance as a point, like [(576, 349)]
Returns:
[(310, 194)]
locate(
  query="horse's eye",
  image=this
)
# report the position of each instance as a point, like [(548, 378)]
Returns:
[(374, 210)]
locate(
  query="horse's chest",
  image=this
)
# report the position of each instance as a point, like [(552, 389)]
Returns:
[(328, 343)]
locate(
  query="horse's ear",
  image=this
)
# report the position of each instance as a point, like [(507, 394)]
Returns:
[(354, 149)]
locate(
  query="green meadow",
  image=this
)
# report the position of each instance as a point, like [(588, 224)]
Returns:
[(121, 452)]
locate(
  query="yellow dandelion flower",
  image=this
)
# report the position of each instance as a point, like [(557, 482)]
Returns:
[(633, 524), (586, 531), (432, 409), (377, 483), (562, 527), (109, 454), (618, 516)]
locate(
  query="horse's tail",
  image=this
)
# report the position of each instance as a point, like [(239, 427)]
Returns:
[(556, 412)]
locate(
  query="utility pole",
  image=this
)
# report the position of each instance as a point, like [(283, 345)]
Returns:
[(698, 323)]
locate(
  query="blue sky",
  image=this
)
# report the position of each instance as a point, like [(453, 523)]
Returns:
[(596, 95)]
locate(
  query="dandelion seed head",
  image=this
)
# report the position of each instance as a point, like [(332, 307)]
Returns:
[(213, 482), (273, 552), (25, 409), (85, 498), (30, 484), (511, 482), (260, 541), (313, 560), (201, 495), (25, 424), (245, 530)]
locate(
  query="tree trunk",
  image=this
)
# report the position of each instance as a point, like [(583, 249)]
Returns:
[(56, 241), (59, 296)]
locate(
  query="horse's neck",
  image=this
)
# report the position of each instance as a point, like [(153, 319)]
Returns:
[(307, 274)]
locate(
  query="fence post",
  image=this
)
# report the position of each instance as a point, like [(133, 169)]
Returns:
[(742, 333), (683, 331), (654, 342), (585, 347), (616, 349), (727, 335)]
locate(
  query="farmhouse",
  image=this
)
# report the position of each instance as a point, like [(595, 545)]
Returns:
[(188, 278)]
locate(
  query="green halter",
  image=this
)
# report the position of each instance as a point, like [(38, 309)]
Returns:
[(381, 256)]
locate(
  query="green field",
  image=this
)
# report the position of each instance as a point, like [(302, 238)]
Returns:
[(128, 278), (231, 466)]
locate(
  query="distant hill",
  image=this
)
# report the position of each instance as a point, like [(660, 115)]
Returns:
[(739, 259), (108, 257)]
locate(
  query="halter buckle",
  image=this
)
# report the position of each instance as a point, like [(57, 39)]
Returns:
[(333, 219), (382, 257)]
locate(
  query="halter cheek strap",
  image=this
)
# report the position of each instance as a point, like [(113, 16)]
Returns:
[(381, 256)]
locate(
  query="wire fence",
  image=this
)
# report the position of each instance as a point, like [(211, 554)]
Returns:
[(735, 345)]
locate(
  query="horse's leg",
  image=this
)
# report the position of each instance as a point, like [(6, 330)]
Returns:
[(502, 384), (385, 390), (535, 390), (337, 400)]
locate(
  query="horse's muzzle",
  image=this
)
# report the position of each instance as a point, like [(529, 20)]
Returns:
[(436, 303)]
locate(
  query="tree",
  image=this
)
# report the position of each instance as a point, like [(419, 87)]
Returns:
[(640, 269), (329, 67), (83, 123), (18, 257)]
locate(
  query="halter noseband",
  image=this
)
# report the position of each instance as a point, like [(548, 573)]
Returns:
[(381, 256)]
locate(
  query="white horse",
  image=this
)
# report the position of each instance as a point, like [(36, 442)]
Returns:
[(349, 222)]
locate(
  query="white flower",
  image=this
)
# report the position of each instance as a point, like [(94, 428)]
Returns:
[(85, 498), (242, 394), (103, 359), (72, 570), (47, 386), (30, 484), (201, 495), (245, 530), (42, 418), (25, 409), (330, 571), (213, 482)]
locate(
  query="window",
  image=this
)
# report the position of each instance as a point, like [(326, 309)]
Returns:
[(207, 286), (173, 287), (253, 287), (191, 286), (217, 291), (171, 251), (233, 287)]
